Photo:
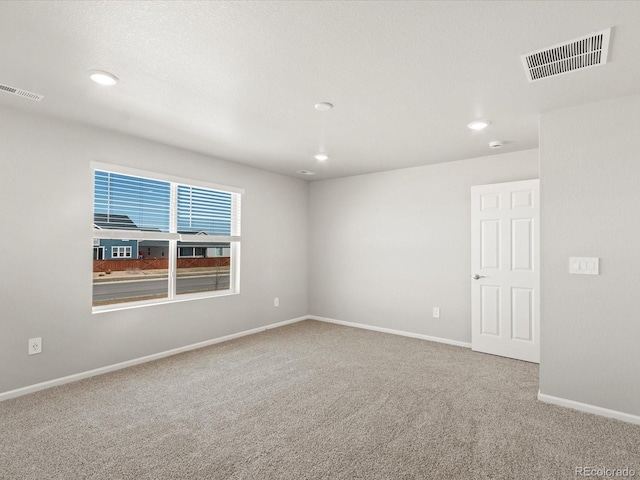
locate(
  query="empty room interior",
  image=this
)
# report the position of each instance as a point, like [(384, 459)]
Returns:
[(331, 239)]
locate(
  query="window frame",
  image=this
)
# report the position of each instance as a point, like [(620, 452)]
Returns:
[(173, 237), (117, 248)]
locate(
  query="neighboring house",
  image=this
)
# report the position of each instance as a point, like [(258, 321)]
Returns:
[(202, 250), (108, 249), (151, 249), (113, 249)]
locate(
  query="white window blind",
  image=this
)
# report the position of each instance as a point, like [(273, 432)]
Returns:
[(204, 210), (125, 202)]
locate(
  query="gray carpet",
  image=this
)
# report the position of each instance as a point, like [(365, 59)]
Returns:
[(309, 401)]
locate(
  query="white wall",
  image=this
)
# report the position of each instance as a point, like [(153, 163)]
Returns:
[(590, 184), (387, 247), (45, 252)]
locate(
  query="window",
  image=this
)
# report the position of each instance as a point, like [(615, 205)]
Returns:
[(120, 252), (191, 251), (180, 239)]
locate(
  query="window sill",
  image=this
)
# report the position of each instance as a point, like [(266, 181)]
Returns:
[(162, 301)]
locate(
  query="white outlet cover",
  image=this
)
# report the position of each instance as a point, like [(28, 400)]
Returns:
[(35, 345)]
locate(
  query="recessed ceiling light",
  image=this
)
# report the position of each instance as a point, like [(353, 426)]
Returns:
[(103, 78), (323, 106), (479, 124), (321, 157)]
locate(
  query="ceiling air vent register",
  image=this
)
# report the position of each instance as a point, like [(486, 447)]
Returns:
[(577, 54), (21, 93)]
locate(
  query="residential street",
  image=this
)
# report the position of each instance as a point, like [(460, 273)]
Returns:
[(115, 290)]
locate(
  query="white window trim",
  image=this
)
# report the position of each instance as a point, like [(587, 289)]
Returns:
[(117, 248), (173, 238)]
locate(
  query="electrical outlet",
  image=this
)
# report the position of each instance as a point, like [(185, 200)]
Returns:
[(276, 302), (35, 345), (436, 312)]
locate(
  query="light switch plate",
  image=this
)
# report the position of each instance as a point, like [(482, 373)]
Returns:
[(584, 265)]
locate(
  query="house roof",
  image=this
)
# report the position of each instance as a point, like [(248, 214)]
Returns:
[(113, 222), (117, 222), (123, 222)]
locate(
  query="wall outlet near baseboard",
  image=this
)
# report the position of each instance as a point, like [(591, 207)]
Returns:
[(436, 312), (276, 302), (35, 345)]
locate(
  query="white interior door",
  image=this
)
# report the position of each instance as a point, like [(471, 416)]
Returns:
[(505, 269)]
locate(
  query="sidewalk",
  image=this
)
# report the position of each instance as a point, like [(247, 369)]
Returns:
[(121, 275)]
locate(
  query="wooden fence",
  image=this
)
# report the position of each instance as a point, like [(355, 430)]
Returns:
[(157, 263)]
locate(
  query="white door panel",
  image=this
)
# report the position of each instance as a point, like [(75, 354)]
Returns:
[(506, 261)]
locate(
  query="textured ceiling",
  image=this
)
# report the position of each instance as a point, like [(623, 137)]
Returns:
[(238, 80)]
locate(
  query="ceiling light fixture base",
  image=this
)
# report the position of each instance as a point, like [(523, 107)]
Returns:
[(103, 78), (479, 124), (323, 106)]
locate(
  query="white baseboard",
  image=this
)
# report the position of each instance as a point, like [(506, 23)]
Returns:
[(392, 331), (136, 361), (585, 407)]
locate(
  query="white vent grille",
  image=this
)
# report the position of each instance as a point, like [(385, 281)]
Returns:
[(578, 54), (21, 93)]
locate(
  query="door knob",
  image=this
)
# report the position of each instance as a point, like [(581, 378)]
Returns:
[(478, 277)]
